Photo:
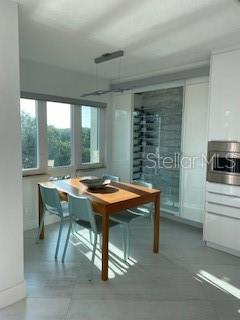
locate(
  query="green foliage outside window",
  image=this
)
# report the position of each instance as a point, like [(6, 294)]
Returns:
[(59, 143), (29, 141), (59, 146), (86, 157)]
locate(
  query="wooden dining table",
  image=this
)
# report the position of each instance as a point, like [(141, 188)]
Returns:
[(112, 199)]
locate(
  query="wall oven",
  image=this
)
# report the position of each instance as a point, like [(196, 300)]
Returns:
[(224, 162)]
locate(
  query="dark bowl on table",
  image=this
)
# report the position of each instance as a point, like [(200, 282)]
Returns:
[(95, 183)]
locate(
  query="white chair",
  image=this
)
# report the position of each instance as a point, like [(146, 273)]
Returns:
[(127, 216), (110, 177), (53, 205), (81, 213)]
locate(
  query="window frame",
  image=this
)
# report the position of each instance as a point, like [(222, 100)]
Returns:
[(40, 141), (76, 143), (84, 166)]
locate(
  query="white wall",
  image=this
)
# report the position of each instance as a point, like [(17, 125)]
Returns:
[(46, 79), (12, 286)]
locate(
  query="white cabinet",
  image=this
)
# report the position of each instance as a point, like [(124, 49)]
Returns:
[(194, 145), (225, 96), (222, 233), (222, 219)]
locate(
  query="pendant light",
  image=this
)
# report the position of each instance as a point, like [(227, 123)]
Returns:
[(103, 58)]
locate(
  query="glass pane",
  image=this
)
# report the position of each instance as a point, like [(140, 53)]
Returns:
[(59, 134), (157, 143), (90, 135), (29, 133)]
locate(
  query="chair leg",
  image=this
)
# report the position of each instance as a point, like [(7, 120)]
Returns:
[(100, 241), (59, 238), (124, 241), (128, 232), (151, 218), (40, 227), (67, 240), (74, 228), (90, 236), (93, 254)]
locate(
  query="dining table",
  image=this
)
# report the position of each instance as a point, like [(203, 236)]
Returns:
[(113, 198)]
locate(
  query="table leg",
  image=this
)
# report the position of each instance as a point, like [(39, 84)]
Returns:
[(40, 213), (105, 235), (156, 224)]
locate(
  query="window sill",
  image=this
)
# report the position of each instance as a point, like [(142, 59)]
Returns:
[(62, 170), (29, 173), (91, 167)]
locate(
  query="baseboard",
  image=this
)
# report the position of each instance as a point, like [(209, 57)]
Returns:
[(222, 248), (12, 295), (182, 220)]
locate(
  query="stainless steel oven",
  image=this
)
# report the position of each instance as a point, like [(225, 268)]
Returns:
[(224, 162)]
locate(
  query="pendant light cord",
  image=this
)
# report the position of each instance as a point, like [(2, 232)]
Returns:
[(119, 68), (96, 77)]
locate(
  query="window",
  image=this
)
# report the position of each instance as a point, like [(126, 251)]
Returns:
[(90, 135), (29, 133), (59, 137), (59, 134)]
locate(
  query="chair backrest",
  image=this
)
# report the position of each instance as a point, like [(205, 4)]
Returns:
[(113, 178), (80, 208), (146, 185), (143, 183), (51, 200)]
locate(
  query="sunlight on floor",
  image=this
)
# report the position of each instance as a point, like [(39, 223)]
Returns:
[(117, 265), (219, 283)]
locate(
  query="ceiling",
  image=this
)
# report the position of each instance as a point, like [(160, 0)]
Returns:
[(156, 35)]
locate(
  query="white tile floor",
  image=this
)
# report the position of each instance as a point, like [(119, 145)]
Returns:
[(186, 281)]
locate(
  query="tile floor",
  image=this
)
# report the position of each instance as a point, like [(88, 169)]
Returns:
[(186, 281)]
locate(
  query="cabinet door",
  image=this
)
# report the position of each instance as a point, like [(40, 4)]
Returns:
[(122, 105), (217, 231), (194, 146), (225, 96)]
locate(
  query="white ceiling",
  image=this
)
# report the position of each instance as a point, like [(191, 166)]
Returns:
[(155, 34)]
